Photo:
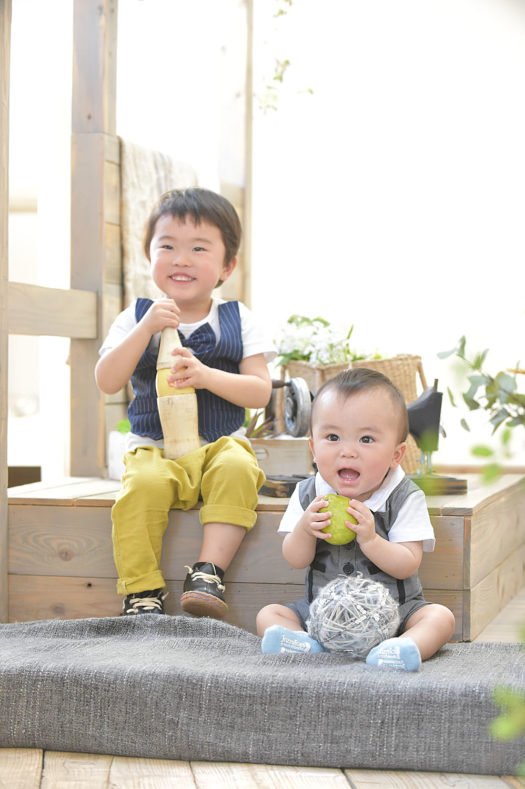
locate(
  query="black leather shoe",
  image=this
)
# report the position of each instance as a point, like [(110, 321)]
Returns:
[(147, 602), (203, 591)]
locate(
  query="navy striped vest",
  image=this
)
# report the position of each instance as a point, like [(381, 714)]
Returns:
[(217, 417), (333, 560)]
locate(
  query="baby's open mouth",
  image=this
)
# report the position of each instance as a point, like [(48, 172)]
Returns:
[(348, 474)]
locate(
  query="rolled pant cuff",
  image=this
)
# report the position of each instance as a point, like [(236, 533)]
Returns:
[(223, 513), (151, 581)]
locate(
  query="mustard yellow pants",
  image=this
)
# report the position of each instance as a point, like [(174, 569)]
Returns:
[(224, 473)]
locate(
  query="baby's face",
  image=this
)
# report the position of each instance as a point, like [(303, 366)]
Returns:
[(355, 440)]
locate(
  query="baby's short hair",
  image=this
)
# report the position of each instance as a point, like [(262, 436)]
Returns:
[(202, 205), (361, 379)]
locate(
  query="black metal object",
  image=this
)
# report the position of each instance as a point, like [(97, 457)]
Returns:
[(424, 422), (424, 416), (297, 403)]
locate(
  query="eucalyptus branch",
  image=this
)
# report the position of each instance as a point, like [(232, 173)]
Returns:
[(497, 394)]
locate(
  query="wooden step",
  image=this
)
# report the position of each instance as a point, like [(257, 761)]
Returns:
[(60, 561)]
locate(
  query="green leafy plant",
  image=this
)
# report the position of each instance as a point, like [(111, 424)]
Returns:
[(498, 395), (268, 98), (510, 723), (124, 426), (257, 424)]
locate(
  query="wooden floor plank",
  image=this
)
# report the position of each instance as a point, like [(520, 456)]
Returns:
[(227, 775), (130, 773), (508, 625), (20, 768), (397, 779), (63, 770)]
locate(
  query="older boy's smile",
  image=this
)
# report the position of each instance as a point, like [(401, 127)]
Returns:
[(182, 278)]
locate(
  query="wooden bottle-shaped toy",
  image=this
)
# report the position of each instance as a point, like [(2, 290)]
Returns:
[(177, 407)]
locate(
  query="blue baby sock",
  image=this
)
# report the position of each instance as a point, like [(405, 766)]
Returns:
[(278, 639), (401, 653)]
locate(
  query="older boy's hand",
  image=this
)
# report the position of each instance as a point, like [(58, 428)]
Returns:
[(312, 521), (162, 314), (187, 370)]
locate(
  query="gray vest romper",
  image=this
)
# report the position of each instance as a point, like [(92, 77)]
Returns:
[(331, 561)]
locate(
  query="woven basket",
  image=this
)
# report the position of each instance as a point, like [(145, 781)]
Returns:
[(312, 374), (403, 371)]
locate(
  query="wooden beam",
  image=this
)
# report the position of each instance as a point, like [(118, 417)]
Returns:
[(248, 158), (94, 66), (36, 310), (5, 48), (94, 206)]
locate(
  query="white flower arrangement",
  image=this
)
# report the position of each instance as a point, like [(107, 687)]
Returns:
[(315, 341)]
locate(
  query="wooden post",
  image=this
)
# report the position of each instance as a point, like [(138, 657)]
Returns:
[(248, 143), (5, 48), (95, 215)]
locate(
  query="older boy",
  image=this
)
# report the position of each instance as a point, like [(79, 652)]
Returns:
[(191, 239)]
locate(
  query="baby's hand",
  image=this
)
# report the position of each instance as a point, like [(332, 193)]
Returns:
[(161, 314), (365, 528), (312, 521)]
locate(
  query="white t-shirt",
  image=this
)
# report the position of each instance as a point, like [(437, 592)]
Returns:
[(254, 341), (411, 525), (253, 338)]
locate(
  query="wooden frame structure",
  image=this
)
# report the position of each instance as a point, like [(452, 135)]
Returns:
[(5, 42), (84, 312)]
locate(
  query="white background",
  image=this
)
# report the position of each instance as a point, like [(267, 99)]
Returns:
[(388, 186)]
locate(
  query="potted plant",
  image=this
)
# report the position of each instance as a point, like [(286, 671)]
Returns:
[(311, 348)]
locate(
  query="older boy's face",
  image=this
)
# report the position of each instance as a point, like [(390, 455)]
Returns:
[(355, 441), (187, 261)]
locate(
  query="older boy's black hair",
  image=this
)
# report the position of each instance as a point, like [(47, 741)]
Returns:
[(202, 205), (361, 379)]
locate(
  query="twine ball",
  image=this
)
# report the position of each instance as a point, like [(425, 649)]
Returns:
[(352, 614)]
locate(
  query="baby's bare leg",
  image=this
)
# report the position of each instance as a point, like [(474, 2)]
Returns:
[(426, 631), (430, 627), (277, 615), (282, 631)]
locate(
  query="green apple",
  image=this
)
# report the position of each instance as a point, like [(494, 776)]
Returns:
[(337, 505)]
